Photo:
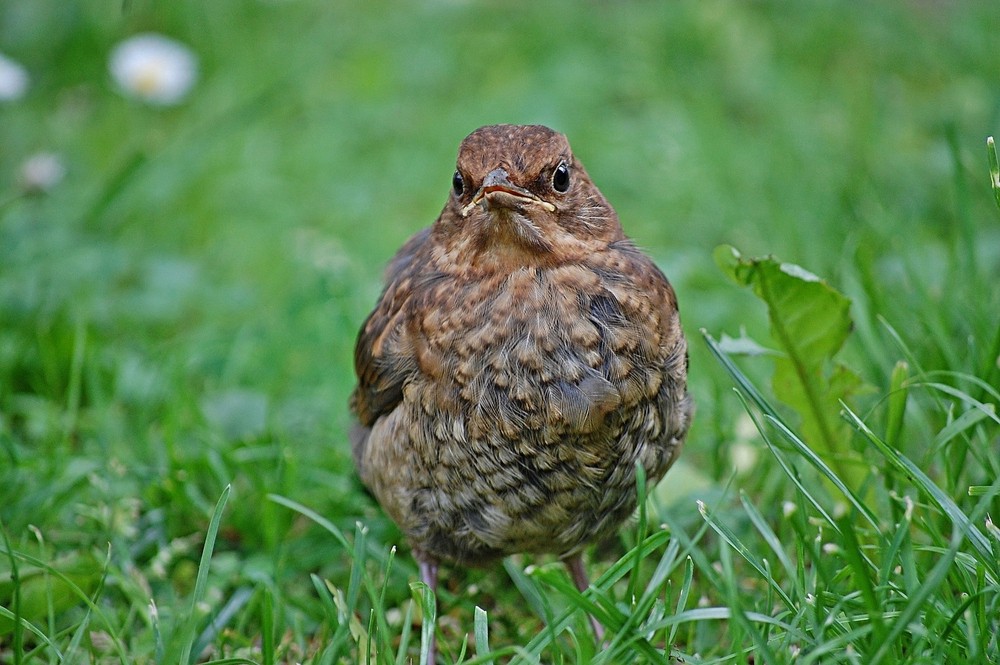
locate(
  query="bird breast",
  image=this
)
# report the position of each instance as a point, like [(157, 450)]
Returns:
[(534, 395), (549, 351)]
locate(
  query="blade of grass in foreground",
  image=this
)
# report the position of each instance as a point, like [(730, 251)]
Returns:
[(404, 636), (785, 465), (771, 415), (428, 608), (357, 554), (222, 617), (357, 569), (988, 410), (742, 382), (350, 618), (201, 582), (863, 571), (267, 627), (315, 517), (333, 617), (821, 466), (735, 600), (92, 606), (768, 534), (555, 626), (16, 614), (730, 537), (482, 632), (916, 600), (682, 596), (641, 525), (961, 521), (378, 636), (991, 151), (85, 623)]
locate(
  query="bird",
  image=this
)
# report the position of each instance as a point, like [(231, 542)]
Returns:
[(523, 358)]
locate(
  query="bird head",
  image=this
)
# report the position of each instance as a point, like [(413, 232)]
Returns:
[(520, 196)]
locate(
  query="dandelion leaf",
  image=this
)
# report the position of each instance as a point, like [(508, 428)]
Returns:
[(810, 321)]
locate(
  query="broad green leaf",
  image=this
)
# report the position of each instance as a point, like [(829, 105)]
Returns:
[(810, 321)]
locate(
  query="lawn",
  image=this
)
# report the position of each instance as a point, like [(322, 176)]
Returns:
[(181, 288)]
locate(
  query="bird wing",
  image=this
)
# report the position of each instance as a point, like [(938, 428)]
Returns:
[(380, 358)]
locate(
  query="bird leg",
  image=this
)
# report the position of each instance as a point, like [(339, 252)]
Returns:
[(429, 576), (582, 582)]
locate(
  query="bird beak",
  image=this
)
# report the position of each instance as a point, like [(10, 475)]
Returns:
[(498, 190)]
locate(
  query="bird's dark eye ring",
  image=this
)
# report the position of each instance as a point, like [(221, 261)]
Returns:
[(560, 177), (457, 183)]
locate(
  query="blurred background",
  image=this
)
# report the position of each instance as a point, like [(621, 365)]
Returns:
[(182, 277)]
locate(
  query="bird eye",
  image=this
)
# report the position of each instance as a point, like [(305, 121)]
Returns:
[(457, 183), (560, 177)]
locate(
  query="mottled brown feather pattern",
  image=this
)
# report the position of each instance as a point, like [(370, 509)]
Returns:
[(519, 362)]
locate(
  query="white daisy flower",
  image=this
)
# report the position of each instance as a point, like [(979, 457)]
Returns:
[(154, 69), (41, 172), (788, 508), (743, 457), (13, 79)]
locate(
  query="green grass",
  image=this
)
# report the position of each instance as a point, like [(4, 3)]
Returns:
[(177, 320)]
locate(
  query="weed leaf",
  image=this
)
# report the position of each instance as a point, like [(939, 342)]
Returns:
[(810, 321)]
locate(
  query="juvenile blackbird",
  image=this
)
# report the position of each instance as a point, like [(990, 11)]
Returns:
[(523, 357)]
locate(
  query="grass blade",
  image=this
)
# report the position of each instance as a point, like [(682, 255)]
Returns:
[(404, 636), (991, 151), (821, 466), (84, 597), (85, 622), (726, 614), (313, 516), (481, 629), (16, 614), (932, 581), (862, 569), (988, 410), (733, 540), (804, 450), (739, 615), (682, 596), (764, 529), (235, 603), (554, 627), (742, 382), (898, 392), (267, 627), (979, 542), (334, 616), (428, 608), (201, 582), (536, 599), (348, 615), (641, 525)]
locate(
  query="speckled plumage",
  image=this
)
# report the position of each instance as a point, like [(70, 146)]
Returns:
[(523, 356)]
